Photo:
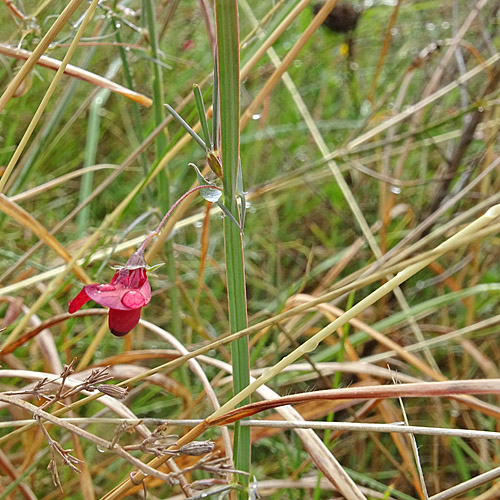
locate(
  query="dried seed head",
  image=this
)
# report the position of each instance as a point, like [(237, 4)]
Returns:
[(202, 484), (113, 390), (197, 448), (68, 369)]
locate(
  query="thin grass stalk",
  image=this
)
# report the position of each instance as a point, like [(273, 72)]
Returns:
[(344, 188), (33, 153), (491, 215), (161, 146), (46, 98), (58, 25), (229, 99), (336, 384), (127, 73), (92, 142), (283, 424)]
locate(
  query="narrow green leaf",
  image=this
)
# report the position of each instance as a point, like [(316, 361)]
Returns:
[(188, 128), (201, 112)]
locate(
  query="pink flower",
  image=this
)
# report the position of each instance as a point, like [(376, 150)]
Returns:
[(125, 295)]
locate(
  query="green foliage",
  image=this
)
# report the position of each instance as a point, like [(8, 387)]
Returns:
[(300, 238)]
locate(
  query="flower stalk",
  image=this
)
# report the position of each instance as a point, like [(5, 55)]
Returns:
[(129, 289)]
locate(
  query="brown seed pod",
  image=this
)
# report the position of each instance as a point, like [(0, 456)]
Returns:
[(342, 19)]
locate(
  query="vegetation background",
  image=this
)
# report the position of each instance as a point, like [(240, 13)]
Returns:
[(369, 145)]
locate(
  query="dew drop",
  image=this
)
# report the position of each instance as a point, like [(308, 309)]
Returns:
[(445, 25), (395, 190), (100, 450), (365, 108), (256, 116), (198, 224), (106, 288), (118, 25), (430, 26)]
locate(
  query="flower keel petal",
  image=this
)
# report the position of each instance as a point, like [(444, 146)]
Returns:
[(121, 322)]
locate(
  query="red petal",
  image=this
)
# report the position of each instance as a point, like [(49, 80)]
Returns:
[(111, 295), (107, 295), (81, 299), (146, 291), (121, 322), (133, 299)]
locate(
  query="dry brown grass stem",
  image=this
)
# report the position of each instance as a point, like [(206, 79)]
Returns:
[(319, 453), (197, 370), (273, 80), (396, 427), (76, 72), (48, 94), (39, 50), (420, 389), (26, 220)]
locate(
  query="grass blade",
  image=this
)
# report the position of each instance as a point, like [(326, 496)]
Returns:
[(201, 112), (229, 98)]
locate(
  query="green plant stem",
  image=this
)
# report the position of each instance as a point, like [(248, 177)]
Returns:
[(53, 84), (229, 98), (488, 218), (127, 73), (161, 147), (37, 150), (93, 133)]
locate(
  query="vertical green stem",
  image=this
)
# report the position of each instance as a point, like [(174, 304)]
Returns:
[(91, 145), (127, 73), (229, 98), (93, 128), (161, 146)]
